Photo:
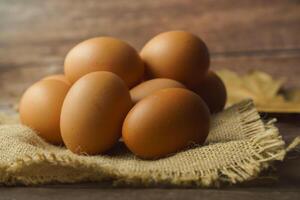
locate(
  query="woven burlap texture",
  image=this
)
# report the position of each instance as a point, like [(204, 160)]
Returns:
[(239, 146)]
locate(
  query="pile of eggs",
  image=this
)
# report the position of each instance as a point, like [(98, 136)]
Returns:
[(159, 101)]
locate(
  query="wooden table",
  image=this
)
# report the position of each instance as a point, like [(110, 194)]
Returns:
[(241, 35)]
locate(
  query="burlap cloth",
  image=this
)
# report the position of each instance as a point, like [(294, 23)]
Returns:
[(240, 145)]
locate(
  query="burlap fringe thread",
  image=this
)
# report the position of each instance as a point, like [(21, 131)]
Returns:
[(264, 137)]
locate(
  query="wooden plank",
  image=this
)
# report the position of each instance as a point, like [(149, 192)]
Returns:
[(35, 33), (13, 81), (91, 193), (279, 65)]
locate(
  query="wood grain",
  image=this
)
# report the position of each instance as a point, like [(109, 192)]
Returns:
[(92, 193), (39, 33), (15, 80)]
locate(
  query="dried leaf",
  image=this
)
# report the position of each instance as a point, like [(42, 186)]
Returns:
[(263, 89)]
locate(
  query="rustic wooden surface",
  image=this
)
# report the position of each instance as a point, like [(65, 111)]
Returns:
[(241, 35)]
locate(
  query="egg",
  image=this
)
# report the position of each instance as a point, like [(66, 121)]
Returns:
[(93, 113), (148, 87), (104, 54), (59, 77), (213, 92), (40, 108), (177, 55), (165, 122)]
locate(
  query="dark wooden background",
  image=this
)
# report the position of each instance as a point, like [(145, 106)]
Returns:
[(35, 36)]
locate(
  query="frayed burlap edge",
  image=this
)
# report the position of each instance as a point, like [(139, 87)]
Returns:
[(266, 139)]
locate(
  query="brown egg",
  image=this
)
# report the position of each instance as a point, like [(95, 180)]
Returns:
[(104, 54), (40, 108), (149, 87), (166, 122), (59, 77), (213, 92), (93, 113), (178, 55)]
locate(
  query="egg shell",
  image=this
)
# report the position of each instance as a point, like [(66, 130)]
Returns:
[(40, 108), (59, 77), (149, 87), (104, 54), (166, 122), (213, 92), (177, 55), (93, 113)]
